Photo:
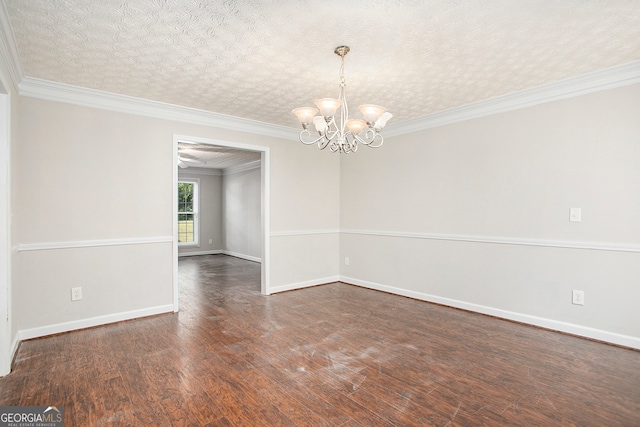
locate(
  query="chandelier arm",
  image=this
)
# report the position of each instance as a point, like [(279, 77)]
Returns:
[(345, 147), (323, 143), (351, 143), (349, 148), (331, 135), (306, 134), (330, 138), (372, 139)]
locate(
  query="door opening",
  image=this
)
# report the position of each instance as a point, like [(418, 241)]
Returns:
[(180, 158)]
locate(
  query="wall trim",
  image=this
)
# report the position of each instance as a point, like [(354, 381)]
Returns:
[(24, 247), (555, 325), (198, 253), (609, 78), (26, 334), (242, 256), (242, 168), (85, 97), (305, 284), (599, 246), (221, 252), (303, 232), (14, 349)]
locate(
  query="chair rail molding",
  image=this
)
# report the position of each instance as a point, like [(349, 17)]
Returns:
[(25, 247), (598, 246)]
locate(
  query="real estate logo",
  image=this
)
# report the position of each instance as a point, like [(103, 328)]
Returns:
[(31, 416)]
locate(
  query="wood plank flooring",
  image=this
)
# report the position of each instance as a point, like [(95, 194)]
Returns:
[(332, 355)]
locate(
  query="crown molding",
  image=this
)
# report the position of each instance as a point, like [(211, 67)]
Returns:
[(608, 78), (8, 48), (241, 168), (219, 172), (61, 92)]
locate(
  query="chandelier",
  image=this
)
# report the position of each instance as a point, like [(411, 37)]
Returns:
[(345, 136)]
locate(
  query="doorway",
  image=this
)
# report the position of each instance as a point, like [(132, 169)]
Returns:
[(264, 208)]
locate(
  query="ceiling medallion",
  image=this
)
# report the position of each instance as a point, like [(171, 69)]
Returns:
[(346, 137)]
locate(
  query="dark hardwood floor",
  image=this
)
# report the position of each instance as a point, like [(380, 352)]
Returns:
[(332, 355)]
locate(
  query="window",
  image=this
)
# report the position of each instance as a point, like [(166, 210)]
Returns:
[(188, 212)]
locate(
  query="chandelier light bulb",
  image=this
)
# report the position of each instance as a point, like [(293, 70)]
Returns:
[(305, 114), (371, 112), (355, 126), (328, 106)]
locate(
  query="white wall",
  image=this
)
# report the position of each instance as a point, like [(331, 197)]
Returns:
[(210, 213), (309, 232), (94, 198), (476, 214), (242, 213)]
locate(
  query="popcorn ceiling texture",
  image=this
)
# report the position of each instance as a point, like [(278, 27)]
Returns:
[(260, 59)]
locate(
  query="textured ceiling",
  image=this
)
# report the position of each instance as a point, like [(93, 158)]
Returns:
[(259, 59)]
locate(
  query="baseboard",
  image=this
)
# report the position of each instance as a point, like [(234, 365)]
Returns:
[(14, 350), (57, 328), (555, 325), (223, 252), (305, 284), (237, 255), (215, 252), (6, 370)]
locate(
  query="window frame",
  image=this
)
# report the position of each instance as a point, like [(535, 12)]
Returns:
[(196, 212)]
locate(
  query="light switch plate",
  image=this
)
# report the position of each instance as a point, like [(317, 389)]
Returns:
[(575, 214)]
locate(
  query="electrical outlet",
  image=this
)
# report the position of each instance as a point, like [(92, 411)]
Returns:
[(211, 241), (578, 297), (346, 260), (76, 294)]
